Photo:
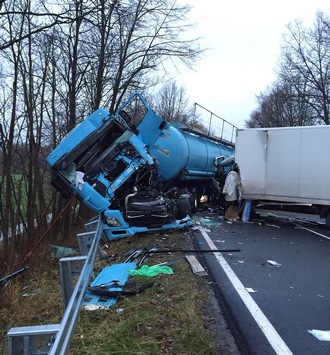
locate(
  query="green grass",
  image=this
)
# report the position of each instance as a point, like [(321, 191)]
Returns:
[(167, 318), (164, 319)]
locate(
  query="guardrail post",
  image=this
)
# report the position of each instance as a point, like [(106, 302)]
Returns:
[(68, 268), (91, 225), (36, 339), (85, 241)]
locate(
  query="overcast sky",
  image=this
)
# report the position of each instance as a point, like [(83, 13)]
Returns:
[(244, 38)]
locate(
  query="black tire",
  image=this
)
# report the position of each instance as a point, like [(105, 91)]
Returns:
[(184, 207), (196, 198)]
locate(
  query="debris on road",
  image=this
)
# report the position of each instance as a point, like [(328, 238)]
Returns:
[(250, 290), (273, 263), (322, 335)]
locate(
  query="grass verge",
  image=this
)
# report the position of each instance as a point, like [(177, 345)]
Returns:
[(167, 318)]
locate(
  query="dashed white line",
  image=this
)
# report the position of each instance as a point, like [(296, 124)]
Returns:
[(264, 324)]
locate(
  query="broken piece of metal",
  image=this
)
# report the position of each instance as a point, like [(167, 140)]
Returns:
[(12, 275), (196, 251), (121, 292)]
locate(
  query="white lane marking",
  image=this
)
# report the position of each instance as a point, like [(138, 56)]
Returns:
[(301, 227), (266, 327), (310, 230)]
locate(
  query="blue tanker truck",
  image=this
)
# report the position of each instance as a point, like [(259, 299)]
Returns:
[(137, 170)]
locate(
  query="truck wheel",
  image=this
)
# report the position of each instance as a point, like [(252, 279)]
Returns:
[(195, 200), (184, 207)]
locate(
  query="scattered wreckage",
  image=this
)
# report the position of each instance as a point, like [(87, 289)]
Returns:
[(140, 174), (138, 171)]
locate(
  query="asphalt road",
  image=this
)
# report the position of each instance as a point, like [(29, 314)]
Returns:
[(276, 289)]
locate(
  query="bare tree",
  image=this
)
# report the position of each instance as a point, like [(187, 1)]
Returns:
[(129, 44), (305, 65), (280, 106), (111, 48), (172, 104), (60, 61), (48, 19), (7, 134), (300, 96)]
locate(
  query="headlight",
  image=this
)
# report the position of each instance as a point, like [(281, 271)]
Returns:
[(112, 222), (203, 199)]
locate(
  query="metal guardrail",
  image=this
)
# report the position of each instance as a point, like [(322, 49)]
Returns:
[(24, 339)]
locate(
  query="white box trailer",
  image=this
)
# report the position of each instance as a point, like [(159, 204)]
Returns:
[(286, 164)]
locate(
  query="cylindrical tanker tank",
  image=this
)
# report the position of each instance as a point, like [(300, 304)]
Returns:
[(186, 155)]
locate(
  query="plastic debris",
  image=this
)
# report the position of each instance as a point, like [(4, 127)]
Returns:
[(246, 211), (322, 335), (273, 263), (79, 180), (59, 252), (30, 294), (150, 271), (111, 278), (94, 307), (251, 290)]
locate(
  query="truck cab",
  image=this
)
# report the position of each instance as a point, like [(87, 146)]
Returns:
[(134, 168)]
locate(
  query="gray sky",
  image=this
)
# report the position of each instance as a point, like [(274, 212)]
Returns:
[(244, 38)]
